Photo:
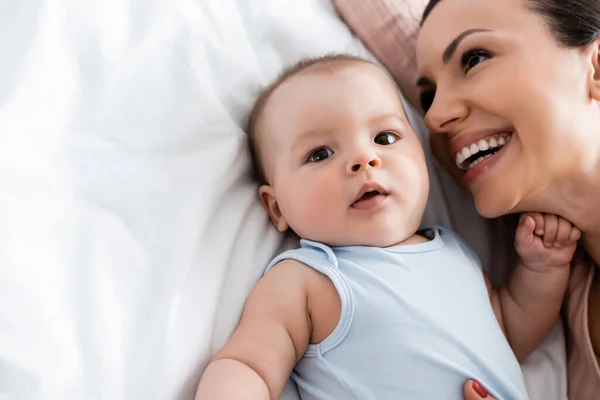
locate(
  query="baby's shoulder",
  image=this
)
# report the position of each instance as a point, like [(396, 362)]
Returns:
[(310, 289), (307, 267), (293, 271)]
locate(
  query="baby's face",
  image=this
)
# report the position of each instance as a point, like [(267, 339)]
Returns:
[(344, 165)]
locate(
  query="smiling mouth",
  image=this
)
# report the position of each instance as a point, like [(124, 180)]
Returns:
[(481, 150)]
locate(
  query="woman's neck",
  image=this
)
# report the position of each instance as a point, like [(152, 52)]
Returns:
[(576, 199)]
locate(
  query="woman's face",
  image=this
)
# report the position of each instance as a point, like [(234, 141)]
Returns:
[(505, 102)]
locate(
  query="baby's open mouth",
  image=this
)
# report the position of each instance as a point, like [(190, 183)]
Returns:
[(367, 196), (483, 149)]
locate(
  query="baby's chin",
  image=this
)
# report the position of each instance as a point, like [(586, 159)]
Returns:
[(372, 240)]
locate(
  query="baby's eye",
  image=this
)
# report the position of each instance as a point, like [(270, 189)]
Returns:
[(320, 154), (386, 138)]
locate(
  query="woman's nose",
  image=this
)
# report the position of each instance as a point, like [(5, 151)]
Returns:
[(363, 162), (446, 111)]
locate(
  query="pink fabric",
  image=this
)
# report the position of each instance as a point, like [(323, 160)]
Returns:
[(389, 29), (582, 369)]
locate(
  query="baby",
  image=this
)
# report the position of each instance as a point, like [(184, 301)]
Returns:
[(371, 307)]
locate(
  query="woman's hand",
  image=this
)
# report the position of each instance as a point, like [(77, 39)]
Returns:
[(473, 390)]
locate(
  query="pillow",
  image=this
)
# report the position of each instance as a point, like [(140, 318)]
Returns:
[(389, 28)]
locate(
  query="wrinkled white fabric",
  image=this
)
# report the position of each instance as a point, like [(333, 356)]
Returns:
[(130, 228)]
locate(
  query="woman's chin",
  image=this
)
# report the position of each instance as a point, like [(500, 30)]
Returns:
[(492, 206)]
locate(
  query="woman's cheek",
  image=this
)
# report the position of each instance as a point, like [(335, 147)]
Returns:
[(439, 148)]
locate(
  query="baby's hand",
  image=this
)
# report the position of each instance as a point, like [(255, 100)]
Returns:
[(544, 241)]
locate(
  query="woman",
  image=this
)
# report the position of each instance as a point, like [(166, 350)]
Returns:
[(530, 69)]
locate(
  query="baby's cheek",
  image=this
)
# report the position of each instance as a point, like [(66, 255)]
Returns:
[(315, 203), (302, 207), (318, 201)]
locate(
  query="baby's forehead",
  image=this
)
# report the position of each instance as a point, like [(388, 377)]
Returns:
[(300, 90), (346, 68), (308, 83)]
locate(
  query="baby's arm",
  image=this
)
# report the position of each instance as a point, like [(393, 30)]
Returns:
[(528, 306), (271, 337)]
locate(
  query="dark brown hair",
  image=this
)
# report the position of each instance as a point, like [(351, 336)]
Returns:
[(574, 23), (328, 62)]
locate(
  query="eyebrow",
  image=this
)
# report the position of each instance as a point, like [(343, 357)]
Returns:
[(317, 133), (392, 115), (313, 133), (451, 49), (449, 52), (309, 136)]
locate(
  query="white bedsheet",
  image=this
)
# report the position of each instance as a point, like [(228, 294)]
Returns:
[(130, 230)]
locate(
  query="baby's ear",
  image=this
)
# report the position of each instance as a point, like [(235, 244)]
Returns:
[(269, 202)]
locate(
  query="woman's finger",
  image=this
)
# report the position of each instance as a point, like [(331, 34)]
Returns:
[(473, 390)]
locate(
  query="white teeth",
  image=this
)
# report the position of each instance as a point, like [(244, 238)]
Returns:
[(466, 153), (474, 148), (483, 145), (474, 163)]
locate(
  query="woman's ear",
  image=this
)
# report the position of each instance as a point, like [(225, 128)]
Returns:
[(594, 54), (269, 202)]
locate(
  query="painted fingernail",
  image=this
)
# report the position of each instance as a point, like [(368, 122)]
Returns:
[(479, 390)]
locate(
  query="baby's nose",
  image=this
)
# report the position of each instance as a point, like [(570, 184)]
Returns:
[(358, 165)]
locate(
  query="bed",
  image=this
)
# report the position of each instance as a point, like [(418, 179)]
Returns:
[(131, 231)]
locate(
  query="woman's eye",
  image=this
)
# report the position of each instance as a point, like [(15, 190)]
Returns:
[(472, 58), (426, 99), (320, 154), (386, 138)]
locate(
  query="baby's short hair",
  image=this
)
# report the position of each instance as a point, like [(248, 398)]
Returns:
[(328, 62)]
